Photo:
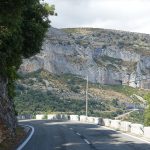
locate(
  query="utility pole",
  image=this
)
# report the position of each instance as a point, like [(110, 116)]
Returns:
[(86, 96), (99, 77)]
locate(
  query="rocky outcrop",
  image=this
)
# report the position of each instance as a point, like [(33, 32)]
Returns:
[(7, 116), (96, 54), (143, 73)]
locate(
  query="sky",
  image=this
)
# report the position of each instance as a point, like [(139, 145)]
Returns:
[(127, 15)]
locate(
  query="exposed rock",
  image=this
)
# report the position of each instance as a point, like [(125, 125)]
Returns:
[(143, 73), (7, 114), (97, 53)]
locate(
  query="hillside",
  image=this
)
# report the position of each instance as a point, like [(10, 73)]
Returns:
[(106, 38), (42, 91), (106, 56), (114, 61)]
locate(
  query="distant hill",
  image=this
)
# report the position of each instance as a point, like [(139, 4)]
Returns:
[(114, 61), (106, 56)]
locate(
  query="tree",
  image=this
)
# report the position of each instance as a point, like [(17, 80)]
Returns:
[(147, 111), (23, 24)]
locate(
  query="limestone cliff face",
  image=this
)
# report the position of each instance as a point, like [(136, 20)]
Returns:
[(143, 72), (105, 56)]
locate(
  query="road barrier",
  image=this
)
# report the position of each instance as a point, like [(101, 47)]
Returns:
[(21, 117), (57, 117), (106, 122), (40, 116), (125, 126), (147, 132), (64, 117), (74, 117), (97, 120), (24, 117), (90, 119), (52, 117), (83, 118), (137, 129), (115, 124)]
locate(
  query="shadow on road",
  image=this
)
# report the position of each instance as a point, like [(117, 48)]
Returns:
[(63, 136)]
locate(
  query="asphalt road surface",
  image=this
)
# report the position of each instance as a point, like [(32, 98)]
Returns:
[(50, 135)]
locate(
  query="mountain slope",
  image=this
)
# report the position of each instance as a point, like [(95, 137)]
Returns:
[(44, 92), (106, 56)]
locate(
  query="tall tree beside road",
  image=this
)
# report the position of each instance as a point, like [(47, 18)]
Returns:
[(23, 24)]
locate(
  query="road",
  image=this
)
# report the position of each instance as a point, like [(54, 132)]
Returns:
[(59, 135)]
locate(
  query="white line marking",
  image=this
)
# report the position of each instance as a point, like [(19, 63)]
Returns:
[(28, 138), (86, 141), (78, 133), (129, 135)]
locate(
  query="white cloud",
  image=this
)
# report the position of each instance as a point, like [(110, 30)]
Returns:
[(130, 15)]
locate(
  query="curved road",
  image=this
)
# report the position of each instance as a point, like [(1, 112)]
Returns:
[(50, 135)]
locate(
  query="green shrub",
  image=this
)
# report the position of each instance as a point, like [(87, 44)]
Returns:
[(147, 111)]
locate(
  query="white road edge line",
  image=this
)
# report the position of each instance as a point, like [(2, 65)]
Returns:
[(28, 138), (129, 135), (78, 133), (86, 141)]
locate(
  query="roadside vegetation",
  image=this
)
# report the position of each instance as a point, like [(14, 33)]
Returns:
[(43, 92), (136, 117), (147, 111)]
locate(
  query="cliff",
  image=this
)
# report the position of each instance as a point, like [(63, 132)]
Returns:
[(106, 56)]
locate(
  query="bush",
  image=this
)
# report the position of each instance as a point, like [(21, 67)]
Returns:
[(147, 111), (75, 89)]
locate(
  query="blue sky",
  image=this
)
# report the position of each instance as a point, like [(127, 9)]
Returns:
[(128, 15)]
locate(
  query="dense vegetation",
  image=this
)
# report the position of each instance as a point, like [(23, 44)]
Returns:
[(43, 92), (29, 100), (23, 24), (35, 101)]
